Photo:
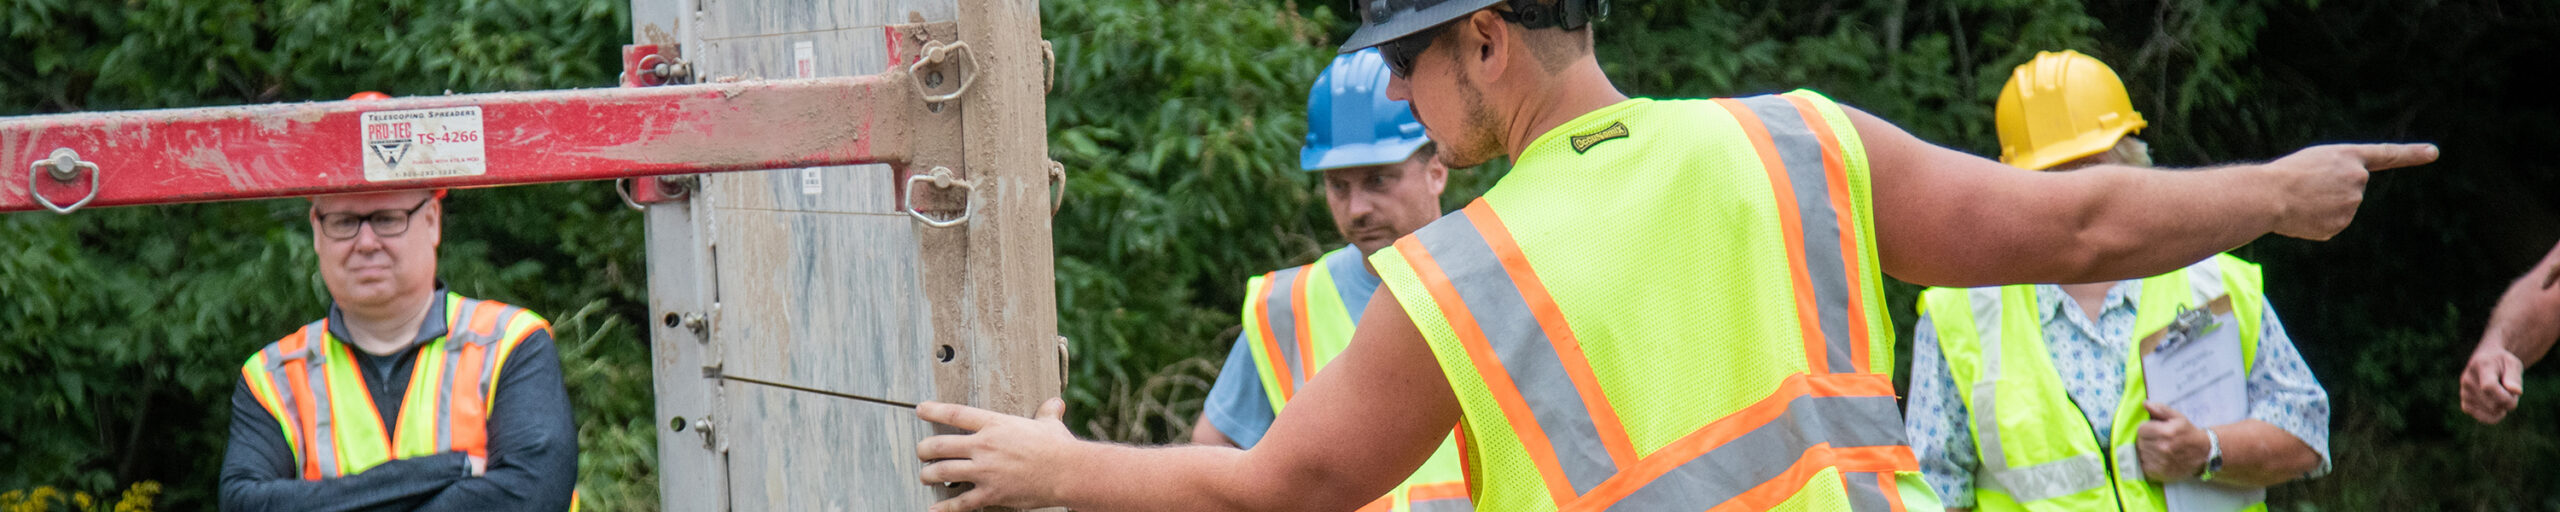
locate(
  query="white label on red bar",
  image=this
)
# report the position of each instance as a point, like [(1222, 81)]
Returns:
[(804, 59), (401, 145)]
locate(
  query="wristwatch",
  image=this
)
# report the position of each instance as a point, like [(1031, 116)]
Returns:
[(2212, 458)]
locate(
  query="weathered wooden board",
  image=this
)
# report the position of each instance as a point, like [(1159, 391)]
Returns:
[(833, 52), (826, 301), (723, 19), (838, 189), (820, 453)]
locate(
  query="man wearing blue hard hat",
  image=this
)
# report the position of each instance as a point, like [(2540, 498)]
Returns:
[(1382, 181)]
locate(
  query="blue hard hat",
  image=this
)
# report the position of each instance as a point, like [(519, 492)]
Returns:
[(1350, 121)]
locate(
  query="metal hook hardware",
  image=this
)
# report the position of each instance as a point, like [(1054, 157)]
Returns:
[(664, 189), (941, 177), (1049, 62), (622, 187), (1058, 186), (2189, 324), (63, 165), (935, 53), (659, 69)]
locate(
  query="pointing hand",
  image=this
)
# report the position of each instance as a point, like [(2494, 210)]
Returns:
[(2323, 185)]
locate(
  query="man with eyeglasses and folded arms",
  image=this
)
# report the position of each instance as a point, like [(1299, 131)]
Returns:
[(1663, 305), (406, 396)]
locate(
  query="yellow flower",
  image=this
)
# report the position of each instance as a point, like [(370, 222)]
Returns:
[(139, 497)]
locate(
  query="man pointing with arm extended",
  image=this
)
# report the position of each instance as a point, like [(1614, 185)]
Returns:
[(1665, 304)]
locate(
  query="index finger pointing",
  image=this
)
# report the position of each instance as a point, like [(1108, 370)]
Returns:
[(2393, 156), (965, 417)]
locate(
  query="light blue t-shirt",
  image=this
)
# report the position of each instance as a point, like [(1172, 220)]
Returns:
[(1237, 404)]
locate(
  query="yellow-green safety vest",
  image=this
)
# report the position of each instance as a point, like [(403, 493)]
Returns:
[(2037, 451), (1296, 320), (1670, 305), (310, 383)]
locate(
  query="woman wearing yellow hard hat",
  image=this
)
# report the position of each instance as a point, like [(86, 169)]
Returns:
[(2076, 427)]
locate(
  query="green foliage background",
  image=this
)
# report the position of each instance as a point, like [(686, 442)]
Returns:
[(121, 329)]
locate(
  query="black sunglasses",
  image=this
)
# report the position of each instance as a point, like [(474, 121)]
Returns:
[(386, 223), (1401, 52)]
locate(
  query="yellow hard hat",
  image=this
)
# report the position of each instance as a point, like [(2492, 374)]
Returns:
[(2060, 107)]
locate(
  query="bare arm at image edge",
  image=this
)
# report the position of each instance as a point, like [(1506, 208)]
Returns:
[(1946, 218), (2520, 331), (1371, 417)]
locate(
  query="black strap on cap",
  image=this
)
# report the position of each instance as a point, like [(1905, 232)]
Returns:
[(1385, 20), (1565, 14)]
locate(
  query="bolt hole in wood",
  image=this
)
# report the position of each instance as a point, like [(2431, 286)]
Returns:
[(676, 424), (672, 321), (945, 353)]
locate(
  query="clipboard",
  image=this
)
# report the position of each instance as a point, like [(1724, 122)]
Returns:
[(2194, 365)]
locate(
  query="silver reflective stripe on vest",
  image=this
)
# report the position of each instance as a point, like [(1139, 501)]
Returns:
[(2128, 459), (444, 402), (1986, 304), (285, 397), (2049, 480), (1279, 309), (324, 442), (2204, 281), (1808, 180), (492, 357), (455, 336), (2031, 483), (1766, 452), (1866, 492), (288, 411), (489, 354), (1443, 505), (1527, 355)]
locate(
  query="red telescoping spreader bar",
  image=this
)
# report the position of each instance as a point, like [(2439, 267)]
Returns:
[(284, 150)]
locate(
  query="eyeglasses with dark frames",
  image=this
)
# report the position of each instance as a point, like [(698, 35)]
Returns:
[(386, 223), (1401, 52)]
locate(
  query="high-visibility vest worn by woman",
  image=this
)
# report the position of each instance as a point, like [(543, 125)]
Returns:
[(1296, 320), (2037, 451), (311, 384), (1669, 305)]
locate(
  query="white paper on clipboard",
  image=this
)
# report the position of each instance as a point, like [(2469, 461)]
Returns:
[(2198, 373)]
